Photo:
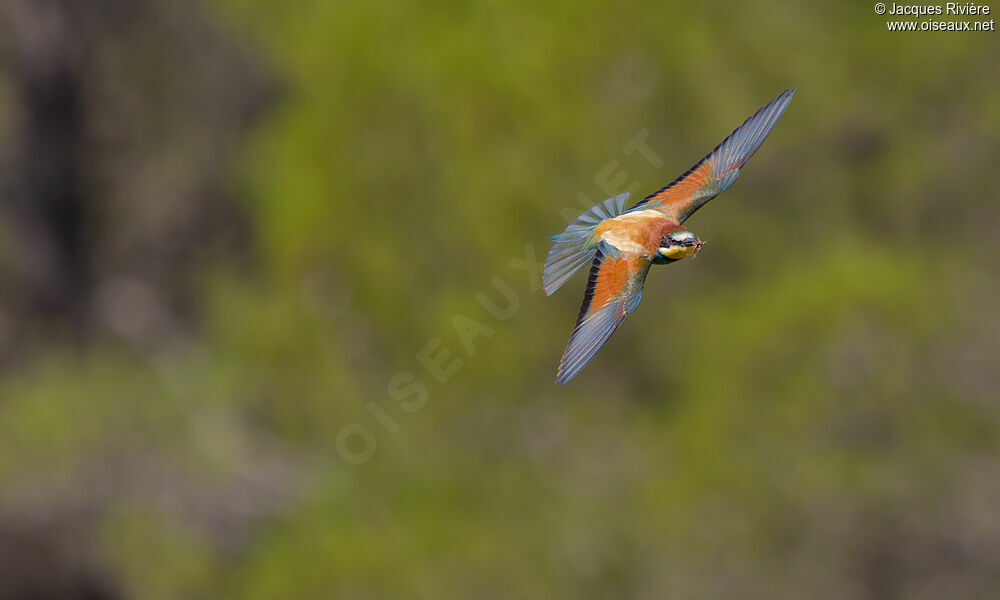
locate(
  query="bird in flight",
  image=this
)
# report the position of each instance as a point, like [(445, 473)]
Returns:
[(620, 245)]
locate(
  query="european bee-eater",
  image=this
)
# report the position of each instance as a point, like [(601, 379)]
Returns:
[(621, 244)]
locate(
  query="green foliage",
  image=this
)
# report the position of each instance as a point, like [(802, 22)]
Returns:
[(805, 399)]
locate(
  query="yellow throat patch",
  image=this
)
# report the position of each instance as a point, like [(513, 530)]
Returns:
[(678, 252)]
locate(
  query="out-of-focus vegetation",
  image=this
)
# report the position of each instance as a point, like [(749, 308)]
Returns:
[(265, 212)]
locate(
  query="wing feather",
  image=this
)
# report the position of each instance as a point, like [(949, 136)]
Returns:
[(614, 289), (713, 174)]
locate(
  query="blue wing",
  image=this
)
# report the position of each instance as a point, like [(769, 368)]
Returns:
[(613, 290), (713, 174)]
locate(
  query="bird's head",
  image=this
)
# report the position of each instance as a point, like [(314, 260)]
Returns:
[(678, 245)]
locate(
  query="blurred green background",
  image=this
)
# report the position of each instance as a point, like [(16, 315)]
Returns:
[(234, 232)]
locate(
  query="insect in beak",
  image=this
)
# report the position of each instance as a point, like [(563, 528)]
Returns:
[(697, 248)]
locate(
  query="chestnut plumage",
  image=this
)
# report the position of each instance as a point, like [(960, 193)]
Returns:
[(620, 245)]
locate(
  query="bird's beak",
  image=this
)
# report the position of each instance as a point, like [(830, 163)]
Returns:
[(697, 247)]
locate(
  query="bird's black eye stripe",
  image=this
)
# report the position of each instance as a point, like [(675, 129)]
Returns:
[(668, 242)]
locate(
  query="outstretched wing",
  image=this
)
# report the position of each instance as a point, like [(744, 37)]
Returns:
[(717, 171), (613, 290)]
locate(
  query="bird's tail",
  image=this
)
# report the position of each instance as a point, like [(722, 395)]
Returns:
[(576, 246)]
